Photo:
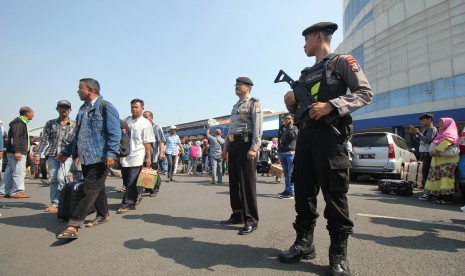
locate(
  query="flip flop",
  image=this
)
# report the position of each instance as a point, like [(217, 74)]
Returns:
[(68, 234), (97, 221), (122, 210)]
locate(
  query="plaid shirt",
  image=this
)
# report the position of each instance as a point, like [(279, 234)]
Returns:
[(55, 137)]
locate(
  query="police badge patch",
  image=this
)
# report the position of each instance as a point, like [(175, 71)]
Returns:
[(353, 64)]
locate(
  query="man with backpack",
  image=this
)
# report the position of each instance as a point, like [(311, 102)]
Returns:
[(96, 142)]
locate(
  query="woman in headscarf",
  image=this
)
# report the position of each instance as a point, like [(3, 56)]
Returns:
[(441, 176)]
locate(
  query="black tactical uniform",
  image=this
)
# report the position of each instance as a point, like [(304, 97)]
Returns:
[(321, 160)]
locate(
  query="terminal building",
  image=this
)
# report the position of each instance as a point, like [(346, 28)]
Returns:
[(413, 54)]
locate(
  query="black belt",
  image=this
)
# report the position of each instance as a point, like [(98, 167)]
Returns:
[(240, 138)]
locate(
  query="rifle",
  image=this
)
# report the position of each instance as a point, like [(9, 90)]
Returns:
[(305, 99)]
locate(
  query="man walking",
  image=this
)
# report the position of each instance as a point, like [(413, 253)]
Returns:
[(216, 161), (425, 138), (321, 162), (141, 139), (96, 143), (17, 150), (287, 137), (57, 134), (244, 139), (157, 149)]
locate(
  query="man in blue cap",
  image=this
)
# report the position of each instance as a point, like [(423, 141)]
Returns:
[(321, 161)]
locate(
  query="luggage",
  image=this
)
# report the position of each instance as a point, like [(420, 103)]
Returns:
[(277, 170), (396, 187), (199, 167), (147, 178), (412, 173), (263, 167), (70, 196)]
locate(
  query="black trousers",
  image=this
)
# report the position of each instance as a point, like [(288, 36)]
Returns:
[(426, 159), (321, 162), (242, 183), (130, 176), (94, 193)]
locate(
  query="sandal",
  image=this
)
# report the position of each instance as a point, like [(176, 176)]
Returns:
[(69, 234), (122, 190), (122, 210), (97, 221), (51, 209)]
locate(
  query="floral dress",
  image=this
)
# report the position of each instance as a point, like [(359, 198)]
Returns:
[(441, 176)]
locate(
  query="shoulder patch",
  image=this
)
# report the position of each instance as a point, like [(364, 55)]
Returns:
[(254, 99), (257, 107), (353, 63)]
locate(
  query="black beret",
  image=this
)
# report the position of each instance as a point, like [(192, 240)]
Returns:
[(245, 80), (322, 26)]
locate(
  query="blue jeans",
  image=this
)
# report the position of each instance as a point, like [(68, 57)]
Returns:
[(58, 177), (287, 162), (13, 180), (217, 169)]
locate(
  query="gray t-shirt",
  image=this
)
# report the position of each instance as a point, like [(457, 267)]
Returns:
[(216, 146)]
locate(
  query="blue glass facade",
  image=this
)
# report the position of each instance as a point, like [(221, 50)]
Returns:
[(352, 10), (441, 89)]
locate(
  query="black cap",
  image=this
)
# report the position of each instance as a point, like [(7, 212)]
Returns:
[(426, 116), (245, 80), (322, 26), (63, 103)]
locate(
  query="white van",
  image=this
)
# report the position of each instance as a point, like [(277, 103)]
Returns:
[(379, 155)]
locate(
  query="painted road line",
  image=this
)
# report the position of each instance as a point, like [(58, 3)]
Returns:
[(415, 220)]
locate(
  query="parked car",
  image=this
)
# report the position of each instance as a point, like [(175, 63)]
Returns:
[(379, 155)]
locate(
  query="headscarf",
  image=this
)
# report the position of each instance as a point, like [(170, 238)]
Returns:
[(198, 143), (274, 141), (448, 131)]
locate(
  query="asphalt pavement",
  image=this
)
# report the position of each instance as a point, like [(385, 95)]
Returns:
[(178, 233)]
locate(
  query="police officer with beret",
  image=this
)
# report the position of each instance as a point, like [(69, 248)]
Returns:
[(243, 141), (321, 160)]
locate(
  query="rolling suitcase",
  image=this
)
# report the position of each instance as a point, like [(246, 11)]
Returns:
[(396, 187), (70, 196)]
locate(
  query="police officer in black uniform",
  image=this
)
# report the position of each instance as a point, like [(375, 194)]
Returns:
[(321, 160), (243, 141)]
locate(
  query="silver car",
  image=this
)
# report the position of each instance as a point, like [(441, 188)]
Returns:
[(379, 154)]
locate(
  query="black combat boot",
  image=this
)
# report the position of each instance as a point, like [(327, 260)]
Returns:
[(303, 247), (338, 263)]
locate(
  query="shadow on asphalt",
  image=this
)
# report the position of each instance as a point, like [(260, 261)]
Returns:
[(204, 255), (181, 222), (47, 221), (258, 195), (409, 200), (429, 240), (425, 241), (7, 204)]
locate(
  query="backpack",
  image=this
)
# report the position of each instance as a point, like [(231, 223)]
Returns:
[(125, 142)]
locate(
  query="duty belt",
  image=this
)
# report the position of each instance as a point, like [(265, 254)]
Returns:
[(240, 138)]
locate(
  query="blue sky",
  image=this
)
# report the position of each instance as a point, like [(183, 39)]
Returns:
[(181, 57)]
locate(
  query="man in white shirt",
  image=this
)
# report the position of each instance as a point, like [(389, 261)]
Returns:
[(141, 139)]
